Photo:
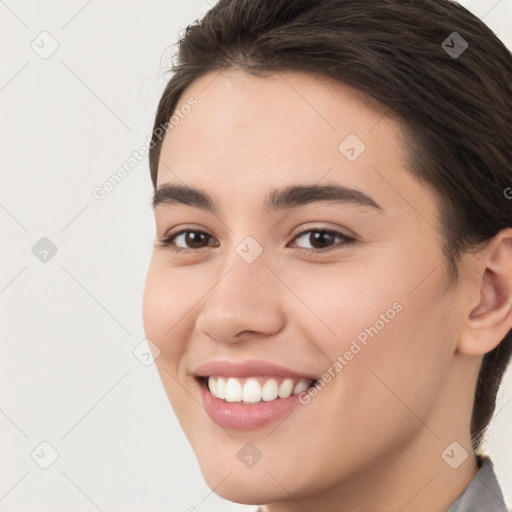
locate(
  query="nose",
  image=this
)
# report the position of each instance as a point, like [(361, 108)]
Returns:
[(244, 301)]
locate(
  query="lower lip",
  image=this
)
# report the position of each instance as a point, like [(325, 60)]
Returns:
[(246, 417)]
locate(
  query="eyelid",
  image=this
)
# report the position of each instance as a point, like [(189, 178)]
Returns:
[(343, 231), (173, 232), (169, 236), (347, 239), (315, 227)]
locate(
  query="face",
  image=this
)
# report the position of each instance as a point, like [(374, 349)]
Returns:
[(345, 285)]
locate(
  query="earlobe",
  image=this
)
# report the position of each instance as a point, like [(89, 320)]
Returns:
[(490, 319)]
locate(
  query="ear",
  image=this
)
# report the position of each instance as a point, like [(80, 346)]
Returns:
[(490, 319)]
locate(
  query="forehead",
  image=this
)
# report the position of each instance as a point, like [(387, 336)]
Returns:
[(248, 135)]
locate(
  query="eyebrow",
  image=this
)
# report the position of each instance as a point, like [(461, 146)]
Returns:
[(289, 197)]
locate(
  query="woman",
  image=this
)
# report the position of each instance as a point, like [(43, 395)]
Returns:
[(330, 289)]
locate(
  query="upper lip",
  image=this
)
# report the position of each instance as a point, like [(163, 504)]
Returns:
[(248, 368)]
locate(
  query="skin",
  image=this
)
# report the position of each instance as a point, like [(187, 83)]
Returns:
[(372, 438)]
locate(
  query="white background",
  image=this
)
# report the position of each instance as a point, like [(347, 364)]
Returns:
[(69, 326)]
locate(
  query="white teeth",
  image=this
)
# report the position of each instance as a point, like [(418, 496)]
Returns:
[(286, 388), (302, 385), (251, 391), (233, 390), (220, 387), (269, 390), (212, 384)]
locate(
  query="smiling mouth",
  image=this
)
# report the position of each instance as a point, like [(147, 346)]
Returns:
[(254, 390)]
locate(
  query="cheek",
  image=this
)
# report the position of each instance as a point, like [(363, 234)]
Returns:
[(379, 331), (338, 302), (164, 311), (402, 366), (165, 321)]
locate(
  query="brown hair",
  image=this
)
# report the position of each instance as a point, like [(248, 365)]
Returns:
[(456, 110)]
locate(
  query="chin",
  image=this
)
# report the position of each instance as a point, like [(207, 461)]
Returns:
[(243, 486), (263, 483)]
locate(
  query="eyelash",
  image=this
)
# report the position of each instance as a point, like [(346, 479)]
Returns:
[(167, 242)]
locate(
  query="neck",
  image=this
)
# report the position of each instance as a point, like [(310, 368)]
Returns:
[(415, 479)]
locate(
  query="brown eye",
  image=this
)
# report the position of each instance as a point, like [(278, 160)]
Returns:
[(189, 239), (321, 240)]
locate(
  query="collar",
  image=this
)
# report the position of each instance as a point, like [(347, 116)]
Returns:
[(483, 492)]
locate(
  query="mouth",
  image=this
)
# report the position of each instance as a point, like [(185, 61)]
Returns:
[(253, 402), (250, 394), (254, 390)]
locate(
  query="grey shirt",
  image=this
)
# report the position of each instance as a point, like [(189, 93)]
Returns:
[(483, 494)]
